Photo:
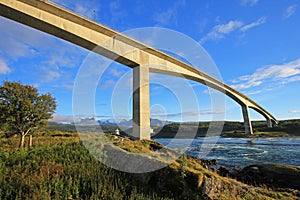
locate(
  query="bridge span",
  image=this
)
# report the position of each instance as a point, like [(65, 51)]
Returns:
[(143, 59)]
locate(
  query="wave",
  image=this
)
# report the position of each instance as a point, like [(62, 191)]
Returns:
[(241, 152)]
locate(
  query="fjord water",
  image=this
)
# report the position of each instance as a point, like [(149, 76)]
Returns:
[(238, 152)]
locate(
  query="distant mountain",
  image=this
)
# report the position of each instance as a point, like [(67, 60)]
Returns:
[(128, 123), (113, 122), (118, 122)]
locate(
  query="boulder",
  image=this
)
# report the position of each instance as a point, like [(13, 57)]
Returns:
[(273, 175)]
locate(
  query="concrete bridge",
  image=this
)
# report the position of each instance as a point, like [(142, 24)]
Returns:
[(143, 59)]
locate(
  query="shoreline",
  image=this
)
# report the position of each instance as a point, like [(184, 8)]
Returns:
[(240, 152)]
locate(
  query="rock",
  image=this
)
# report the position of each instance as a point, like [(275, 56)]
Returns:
[(273, 175), (223, 171)]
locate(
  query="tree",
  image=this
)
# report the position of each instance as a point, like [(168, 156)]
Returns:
[(23, 109)]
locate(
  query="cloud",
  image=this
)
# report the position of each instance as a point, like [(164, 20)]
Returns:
[(50, 75), (68, 86), (294, 111), (258, 22), (85, 10), (15, 45), (4, 69), (227, 28), (62, 119), (273, 75), (37, 48), (247, 84), (82, 119), (170, 14), (116, 72), (249, 2), (219, 31), (210, 91), (188, 113), (289, 11), (88, 10), (108, 84)]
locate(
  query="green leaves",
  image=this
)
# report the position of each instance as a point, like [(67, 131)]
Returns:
[(22, 108)]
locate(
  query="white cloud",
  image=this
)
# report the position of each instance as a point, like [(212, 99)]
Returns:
[(210, 91), (295, 111), (49, 75), (116, 72), (289, 11), (259, 22), (63, 119), (188, 113), (170, 14), (273, 74), (87, 11), (34, 45), (219, 31), (249, 2), (16, 45), (227, 28), (108, 84), (4, 69), (68, 86)]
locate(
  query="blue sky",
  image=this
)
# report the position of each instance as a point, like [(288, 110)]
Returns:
[(255, 44)]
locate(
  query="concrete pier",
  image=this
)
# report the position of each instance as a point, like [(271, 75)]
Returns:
[(247, 121), (269, 123), (141, 103)]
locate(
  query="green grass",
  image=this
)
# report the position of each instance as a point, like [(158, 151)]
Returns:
[(64, 171), (59, 167)]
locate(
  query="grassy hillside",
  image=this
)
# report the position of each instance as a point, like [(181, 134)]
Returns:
[(230, 129), (71, 128), (59, 167), (195, 129)]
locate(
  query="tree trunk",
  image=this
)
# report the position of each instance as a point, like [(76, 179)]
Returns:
[(30, 141), (22, 140)]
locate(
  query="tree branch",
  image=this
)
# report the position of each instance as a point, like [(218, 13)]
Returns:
[(27, 131)]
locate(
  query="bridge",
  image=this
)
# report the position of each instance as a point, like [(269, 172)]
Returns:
[(54, 20)]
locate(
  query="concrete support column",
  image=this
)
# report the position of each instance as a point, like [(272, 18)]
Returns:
[(269, 123), (247, 121), (141, 103)]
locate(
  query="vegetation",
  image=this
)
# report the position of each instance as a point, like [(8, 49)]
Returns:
[(23, 109), (59, 167), (85, 128), (63, 171), (199, 129), (230, 129)]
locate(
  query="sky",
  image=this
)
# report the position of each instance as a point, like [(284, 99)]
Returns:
[(254, 44)]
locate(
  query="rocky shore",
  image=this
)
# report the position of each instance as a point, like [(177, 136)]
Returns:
[(194, 178)]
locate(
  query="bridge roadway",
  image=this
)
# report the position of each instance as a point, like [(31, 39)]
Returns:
[(143, 59)]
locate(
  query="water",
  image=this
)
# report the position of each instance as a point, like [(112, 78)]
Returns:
[(240, 152)]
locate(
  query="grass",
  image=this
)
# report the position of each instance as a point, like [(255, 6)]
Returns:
[(59, 167), (63, 170)]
